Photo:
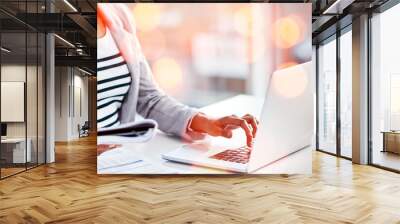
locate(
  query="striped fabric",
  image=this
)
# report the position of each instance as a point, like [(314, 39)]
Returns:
[(113, 82)]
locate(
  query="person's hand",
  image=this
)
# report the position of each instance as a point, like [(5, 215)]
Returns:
[(224, 126)]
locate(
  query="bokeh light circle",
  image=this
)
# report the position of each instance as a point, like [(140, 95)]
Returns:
[(168, 73), (288, 32), (290, 84), (243, 20), (147, 16)]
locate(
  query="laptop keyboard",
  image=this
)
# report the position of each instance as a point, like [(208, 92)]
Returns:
[(239, 155)]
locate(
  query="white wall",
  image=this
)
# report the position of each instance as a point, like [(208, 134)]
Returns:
[(12, 73), (61, 103), (70, 83), (79, 117)]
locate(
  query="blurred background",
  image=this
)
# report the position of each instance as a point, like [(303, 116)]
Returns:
[(204, 53)]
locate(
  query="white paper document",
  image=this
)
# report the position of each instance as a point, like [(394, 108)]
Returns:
[(117, 158), (124, 161)]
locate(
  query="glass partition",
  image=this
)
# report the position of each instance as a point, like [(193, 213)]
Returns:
[(14, 153), (346, 94), (32, 97), (22, 77), (327, 97), (385, 90), (41, 97)]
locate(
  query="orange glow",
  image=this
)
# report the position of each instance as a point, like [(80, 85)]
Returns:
[(168, 73), (287, 64), (243, 20), (155, 43), (290, 85), (147, 16), (287, 32)]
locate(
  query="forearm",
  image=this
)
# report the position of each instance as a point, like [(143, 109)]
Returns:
[(172, 117)]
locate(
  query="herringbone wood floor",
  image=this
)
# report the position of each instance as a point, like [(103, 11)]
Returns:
[(69, 191)]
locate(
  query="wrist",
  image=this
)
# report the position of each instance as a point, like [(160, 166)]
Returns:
[(200, 123)]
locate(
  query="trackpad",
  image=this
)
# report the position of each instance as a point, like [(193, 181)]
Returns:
[(195, 150), (201, 149)]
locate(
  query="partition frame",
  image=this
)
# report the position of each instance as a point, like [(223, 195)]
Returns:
[(334, 37), (382, 8), (44, 82)]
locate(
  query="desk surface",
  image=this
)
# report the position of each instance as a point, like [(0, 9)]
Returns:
[(299, 162), (13, 140), (391, 132)]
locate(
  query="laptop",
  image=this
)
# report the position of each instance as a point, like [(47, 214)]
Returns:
[(286, 126)]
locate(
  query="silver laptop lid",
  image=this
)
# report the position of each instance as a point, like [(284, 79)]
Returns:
[(287, 117)]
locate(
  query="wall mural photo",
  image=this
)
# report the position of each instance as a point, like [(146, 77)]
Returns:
[(190, 88)]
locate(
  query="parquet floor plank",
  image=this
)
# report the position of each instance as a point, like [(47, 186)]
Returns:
[(70, 191)]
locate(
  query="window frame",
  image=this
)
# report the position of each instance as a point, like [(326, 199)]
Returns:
[(381, 9), (334, 37)]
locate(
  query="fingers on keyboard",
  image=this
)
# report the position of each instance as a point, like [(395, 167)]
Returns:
[(240, 155)]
